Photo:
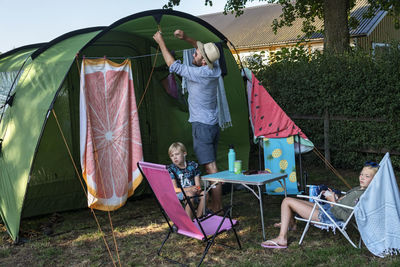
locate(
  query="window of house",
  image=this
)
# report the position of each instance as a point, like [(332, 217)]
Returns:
[(379, 48), (256, 57)]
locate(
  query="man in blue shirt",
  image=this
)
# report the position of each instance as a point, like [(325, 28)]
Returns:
[(202, 83)]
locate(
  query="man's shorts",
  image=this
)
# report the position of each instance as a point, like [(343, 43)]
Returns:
[(205, 141)]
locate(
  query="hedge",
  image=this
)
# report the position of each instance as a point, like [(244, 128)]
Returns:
[(360, 92)]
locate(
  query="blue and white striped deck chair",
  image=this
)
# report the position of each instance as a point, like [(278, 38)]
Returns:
[(279, 157)]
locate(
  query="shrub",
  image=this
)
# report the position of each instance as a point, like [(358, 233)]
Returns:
[(360, 92)]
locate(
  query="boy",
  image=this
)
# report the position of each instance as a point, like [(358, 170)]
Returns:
[(188, 174)]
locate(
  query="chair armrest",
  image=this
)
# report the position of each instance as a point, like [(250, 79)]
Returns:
[(325, 201), (342, 192)]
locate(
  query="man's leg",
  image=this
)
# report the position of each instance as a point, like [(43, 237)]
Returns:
[(205, 142), (217, 191)]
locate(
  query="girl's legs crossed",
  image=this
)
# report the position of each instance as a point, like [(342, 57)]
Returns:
[(290, 206)]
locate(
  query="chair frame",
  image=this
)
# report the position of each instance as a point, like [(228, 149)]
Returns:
[(208, 239), (318, 203)]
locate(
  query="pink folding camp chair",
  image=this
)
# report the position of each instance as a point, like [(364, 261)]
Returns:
[(205, 228)]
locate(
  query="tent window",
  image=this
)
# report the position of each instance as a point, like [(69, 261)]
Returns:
[(6, 82)]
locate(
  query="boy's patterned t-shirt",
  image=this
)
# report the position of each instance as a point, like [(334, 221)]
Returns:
[(186, 175)]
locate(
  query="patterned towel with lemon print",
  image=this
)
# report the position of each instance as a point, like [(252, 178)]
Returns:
[(279, 158)]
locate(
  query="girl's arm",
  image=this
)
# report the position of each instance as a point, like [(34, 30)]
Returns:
[(330, 196)]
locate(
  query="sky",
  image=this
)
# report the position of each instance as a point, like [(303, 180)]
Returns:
[(24, 22)]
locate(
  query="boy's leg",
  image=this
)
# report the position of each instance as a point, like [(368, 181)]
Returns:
[(200, 208), (189, 211), (187, 207)]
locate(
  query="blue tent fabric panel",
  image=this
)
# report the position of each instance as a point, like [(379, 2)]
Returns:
[(279, 157)]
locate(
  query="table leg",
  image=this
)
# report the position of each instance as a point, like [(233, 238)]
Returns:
[(261, 211), (231, 199), (205, 197), (284, 186), (259, 196)]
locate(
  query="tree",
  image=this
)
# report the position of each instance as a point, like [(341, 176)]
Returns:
[(334, 13)]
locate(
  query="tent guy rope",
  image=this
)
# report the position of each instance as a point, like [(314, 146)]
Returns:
[(329, 165), (97, 161), (83, 187)]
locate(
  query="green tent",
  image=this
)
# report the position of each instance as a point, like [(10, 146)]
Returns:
[(37, 172)]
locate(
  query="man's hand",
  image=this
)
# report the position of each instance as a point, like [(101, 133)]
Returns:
[(168, 58), (180, 34), (158, 37)]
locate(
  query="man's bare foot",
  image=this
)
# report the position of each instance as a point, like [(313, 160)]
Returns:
[(291, 227)]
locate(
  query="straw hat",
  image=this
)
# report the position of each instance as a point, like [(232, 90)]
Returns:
[(209, 51)]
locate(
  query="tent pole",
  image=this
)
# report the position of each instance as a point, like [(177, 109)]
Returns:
[(259, 154), (300, 166)]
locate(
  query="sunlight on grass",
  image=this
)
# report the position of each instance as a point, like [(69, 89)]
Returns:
[(150, 228), (88, 237)]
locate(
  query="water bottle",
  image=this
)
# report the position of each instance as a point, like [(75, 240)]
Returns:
[(231, 158)]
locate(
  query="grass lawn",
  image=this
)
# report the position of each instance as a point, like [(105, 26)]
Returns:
[(139, 229)]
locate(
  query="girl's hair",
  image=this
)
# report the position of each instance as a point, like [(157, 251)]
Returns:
[(372, 165), (176, 146), (375, 169)]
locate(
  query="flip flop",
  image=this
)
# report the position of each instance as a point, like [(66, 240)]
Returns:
[(278, 225), (272, 245)]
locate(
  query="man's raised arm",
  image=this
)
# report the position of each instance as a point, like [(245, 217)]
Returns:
[(168, 58), (181, 35)]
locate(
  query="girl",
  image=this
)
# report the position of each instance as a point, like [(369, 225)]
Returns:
[(290, 206)]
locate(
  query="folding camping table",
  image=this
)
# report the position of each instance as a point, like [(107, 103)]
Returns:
[(258, 180)]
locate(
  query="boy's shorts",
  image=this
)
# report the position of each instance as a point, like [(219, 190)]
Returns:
[(180, 197), (205, 141)]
